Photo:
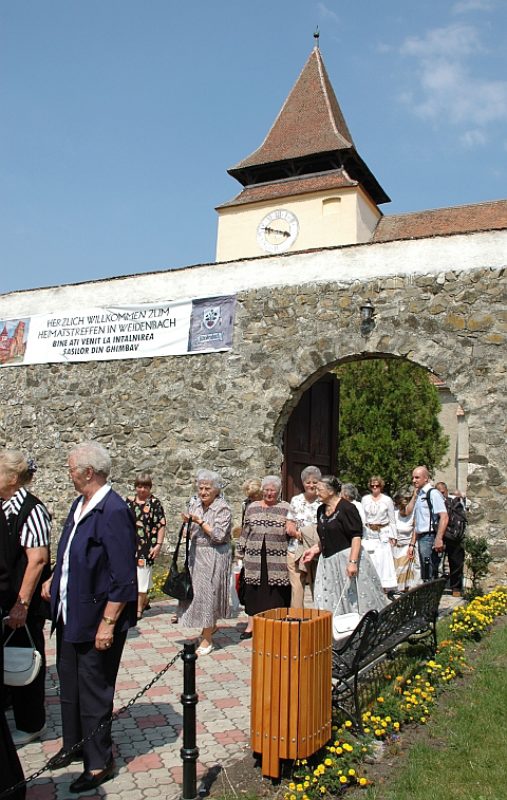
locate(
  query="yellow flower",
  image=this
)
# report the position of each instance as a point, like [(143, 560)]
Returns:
[(348, 723), (343, 779), (352, 772), (363, 781), (323, 790), (328, 762), (292, 786)]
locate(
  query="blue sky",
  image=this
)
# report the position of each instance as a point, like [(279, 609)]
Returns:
[(119, 118)]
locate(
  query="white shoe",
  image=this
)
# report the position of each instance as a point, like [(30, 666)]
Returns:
[(204, 651), (21, 738)]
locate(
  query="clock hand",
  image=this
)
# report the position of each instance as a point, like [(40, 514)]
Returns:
[(275, 230)]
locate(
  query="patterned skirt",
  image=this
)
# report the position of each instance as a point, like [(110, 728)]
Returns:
[(335, 592), (210, 568)]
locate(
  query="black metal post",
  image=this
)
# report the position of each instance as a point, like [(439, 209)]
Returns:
[(189, 752)]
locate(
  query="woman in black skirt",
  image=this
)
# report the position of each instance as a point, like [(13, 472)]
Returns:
[(11, 771), (263, 548)]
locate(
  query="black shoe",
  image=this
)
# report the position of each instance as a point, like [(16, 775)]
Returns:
[(63, 758), (246, 635), (88, 781)]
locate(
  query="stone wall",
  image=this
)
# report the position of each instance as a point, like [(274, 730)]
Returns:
[(227, 411)]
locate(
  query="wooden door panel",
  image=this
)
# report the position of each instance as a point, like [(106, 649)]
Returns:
[(311, 434)]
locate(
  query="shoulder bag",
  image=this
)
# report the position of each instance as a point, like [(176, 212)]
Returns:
[(344, 624), (21, 664), (178, 583)]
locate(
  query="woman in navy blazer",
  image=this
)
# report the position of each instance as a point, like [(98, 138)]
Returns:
[(93, 593)]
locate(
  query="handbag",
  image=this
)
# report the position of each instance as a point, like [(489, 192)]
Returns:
[(178, 583), (21, 664), (344, 624)]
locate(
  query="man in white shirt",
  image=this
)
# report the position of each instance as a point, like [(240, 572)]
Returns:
[(430, 522)]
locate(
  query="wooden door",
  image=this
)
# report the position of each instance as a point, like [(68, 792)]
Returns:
[(311, 434)]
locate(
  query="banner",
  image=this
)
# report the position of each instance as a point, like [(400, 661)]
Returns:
[(118, 332)]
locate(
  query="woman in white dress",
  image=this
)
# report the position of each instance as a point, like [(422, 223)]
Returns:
[(380, 532), (405, 551)]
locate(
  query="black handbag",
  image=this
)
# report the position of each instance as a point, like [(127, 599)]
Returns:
[(178, 584)]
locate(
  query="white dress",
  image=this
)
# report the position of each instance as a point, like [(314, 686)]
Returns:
[(380, 513), (408, 570)]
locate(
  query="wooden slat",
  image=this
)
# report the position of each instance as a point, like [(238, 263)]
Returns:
[(285, 689), (257, 722), (294, 661), (274, 711), (304, 688), (267, 699)]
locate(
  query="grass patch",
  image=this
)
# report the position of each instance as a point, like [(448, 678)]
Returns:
[(463, 754)]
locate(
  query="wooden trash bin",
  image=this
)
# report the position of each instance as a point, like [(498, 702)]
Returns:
[(291, 685)]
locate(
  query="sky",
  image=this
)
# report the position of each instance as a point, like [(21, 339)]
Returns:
[(120, 118)]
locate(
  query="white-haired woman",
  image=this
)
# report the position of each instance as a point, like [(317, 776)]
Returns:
[(302, 532), (209, 559), (29, 524), (263, 548), (93, 592)]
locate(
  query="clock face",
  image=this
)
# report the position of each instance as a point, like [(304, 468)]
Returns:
[(277, 231)]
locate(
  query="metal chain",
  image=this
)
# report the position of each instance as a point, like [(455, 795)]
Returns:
[(54, 762)]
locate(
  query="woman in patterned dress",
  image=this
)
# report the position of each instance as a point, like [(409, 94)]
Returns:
[(263, 547), (209, 559), (346, 579), (150, 530)]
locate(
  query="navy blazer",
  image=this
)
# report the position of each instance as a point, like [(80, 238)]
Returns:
[(102, 567)]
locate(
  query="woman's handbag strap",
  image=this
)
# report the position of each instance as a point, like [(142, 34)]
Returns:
[(29, 635), (345, 587), (187, 542)]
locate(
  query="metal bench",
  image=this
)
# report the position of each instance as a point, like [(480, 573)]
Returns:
[(411, 616)]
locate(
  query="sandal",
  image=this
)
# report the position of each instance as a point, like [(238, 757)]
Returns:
[(139, 615), (174, 619)]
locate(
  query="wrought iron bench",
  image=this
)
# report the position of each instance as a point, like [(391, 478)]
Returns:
[(411, 616)]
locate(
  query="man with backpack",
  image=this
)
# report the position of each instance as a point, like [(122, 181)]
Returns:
[(454, 538), (431, 519)]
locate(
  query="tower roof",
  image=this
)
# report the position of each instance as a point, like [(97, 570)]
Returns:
[(308, 136)]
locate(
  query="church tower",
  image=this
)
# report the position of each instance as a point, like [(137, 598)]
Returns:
[(306, 185)]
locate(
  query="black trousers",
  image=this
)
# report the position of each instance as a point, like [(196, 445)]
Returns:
[(456, 558), (87, 684), (28, 702), (10, 768)]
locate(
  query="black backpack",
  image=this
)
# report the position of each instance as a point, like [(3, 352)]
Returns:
[(456, 527)]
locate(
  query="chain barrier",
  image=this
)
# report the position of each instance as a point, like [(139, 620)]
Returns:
[(54, 762)]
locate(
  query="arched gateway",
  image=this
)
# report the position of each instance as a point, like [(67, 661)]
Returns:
[(436, 279)]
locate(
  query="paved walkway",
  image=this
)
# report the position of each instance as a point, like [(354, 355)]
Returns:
[(148, 737)]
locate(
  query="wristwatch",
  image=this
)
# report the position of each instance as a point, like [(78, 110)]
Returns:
[(23, 603)]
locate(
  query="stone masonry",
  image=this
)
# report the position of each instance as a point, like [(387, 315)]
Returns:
[(439, 303)]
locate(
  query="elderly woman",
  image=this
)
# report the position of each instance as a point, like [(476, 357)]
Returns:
[(93, 594), (302, 530), (29, 524), (346, 579), (380, 531), (209, 559), (150, 529), (263, 546), (11, 772)]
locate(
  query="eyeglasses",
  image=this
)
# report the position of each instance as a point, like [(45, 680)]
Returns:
[(374, 485)]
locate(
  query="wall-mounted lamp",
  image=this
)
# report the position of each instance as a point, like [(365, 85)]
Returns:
[(367, 317)]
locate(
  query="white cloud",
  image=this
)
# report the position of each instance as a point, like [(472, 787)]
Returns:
[(446, 89), (465, 6), (327, 13), (473, 138)]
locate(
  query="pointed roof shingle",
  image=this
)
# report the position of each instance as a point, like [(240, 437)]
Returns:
[(310, 121)]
